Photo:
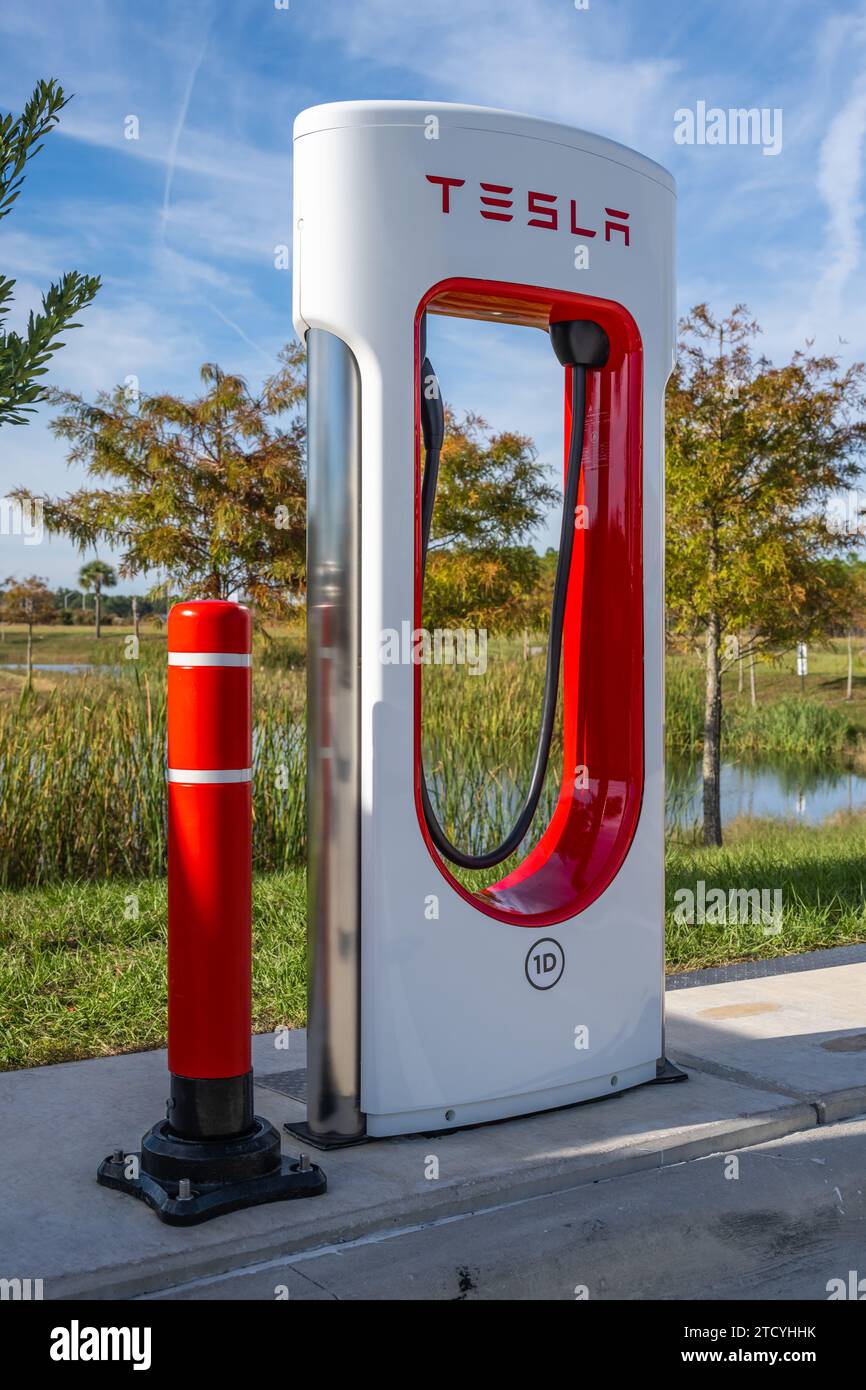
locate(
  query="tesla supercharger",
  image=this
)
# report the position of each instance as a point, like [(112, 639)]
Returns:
[(433, 1005)]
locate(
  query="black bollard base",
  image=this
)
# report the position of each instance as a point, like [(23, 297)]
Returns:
[(187, 1181)]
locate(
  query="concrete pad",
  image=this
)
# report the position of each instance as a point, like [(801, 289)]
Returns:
[(85, 1241), (803, 1034)]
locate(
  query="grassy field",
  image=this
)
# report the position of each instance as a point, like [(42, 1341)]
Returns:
[(67, 646), (820, 725), (82, 824), (82, 970), (827, 723), (826, 681)]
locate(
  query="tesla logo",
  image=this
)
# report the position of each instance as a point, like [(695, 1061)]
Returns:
[(497, 203)]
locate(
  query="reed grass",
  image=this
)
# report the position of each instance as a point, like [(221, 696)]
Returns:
[(792, 725), (82, 781), (82, 777), (82, 768)]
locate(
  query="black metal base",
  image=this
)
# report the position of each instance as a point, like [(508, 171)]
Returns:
[(210, 1107), (187, 1181), (666, 1073), (299, 1129)]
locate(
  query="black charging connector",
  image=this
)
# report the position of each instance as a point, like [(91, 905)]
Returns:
[(580, 343)]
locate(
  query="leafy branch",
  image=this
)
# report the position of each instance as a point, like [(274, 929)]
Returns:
[(23, 358)]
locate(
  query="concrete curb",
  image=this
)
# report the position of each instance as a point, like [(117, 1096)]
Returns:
[(846, 1104), (126, 1280)]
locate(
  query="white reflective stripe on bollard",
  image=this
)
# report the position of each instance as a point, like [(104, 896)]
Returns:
[(224, 774), (210, 659)]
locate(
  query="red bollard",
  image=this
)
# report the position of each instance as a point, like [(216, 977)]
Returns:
[(210, 868), (211, 1154)]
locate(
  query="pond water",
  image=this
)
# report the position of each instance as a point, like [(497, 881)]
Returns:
[(795, 791), (69, 668), (66, 668)]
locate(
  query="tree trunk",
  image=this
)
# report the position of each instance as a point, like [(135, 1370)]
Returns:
[(739, 669), (850, 687), (713, 737), (753, 693), (97, 603)]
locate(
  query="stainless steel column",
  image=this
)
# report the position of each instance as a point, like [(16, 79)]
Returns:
[(333, 714)]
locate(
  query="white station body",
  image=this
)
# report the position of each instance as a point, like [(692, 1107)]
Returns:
[(433, 1020)]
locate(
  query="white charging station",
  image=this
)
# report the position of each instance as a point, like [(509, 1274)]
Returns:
[(547, 988)]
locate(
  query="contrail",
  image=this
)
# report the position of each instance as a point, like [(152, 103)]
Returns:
[(240, 332), (178, 129)]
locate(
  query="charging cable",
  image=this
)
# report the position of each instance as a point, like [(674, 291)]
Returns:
[(583, 346)]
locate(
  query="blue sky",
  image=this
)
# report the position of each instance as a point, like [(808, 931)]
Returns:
[(182, 223)]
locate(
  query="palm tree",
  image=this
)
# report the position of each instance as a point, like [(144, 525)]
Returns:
[(97, 575)]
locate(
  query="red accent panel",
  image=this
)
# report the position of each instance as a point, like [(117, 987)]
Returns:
[(588, 837)]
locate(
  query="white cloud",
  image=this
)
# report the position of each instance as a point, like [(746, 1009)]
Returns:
[(546, 59), (840, 177)]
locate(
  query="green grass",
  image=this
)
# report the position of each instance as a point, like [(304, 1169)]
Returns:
[(787, 725), (821, 872), (82, 967), (825, 683), (82, 975)]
